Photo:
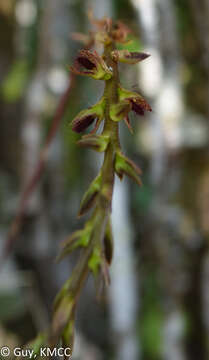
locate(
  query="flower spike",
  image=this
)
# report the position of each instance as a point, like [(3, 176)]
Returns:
[(94, 241), (90, 63)]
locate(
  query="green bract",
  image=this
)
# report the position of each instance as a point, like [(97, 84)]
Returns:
[(79, 238), (120, 110), (96, 142), (95, 261), (123, 165), (90, 195)]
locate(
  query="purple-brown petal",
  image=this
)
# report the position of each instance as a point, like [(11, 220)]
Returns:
[(86, 63), (139, 106), (81, 124), (138, 55)]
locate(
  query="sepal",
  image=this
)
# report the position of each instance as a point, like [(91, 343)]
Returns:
[(128, 57), (123, 165)]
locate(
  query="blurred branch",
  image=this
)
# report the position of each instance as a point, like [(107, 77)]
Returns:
[(32, 183)]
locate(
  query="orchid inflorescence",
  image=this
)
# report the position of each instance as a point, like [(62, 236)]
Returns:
[(95, 239)]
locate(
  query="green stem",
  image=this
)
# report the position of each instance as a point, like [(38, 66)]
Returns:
[(104, 201), (110, 127)]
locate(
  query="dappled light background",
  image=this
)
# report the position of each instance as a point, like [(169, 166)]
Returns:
[(157, 306)]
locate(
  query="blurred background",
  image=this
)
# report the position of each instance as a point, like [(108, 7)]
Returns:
[(157, 307)]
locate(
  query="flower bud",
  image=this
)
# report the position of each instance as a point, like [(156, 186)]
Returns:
[(90, 195), (120, 32), (128, 57), (96, 142), (86, 117), (123, 165), (62, 315), (79, 238), (90, 63)]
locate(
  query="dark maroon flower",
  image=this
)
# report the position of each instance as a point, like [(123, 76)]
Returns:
[(137, 102), (90, 63), (86, 117)]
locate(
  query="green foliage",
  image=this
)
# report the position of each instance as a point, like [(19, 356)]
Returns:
[(134, 44), (151, 320), (143, 197), (11, 305), (151, 333), (14, 85)]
